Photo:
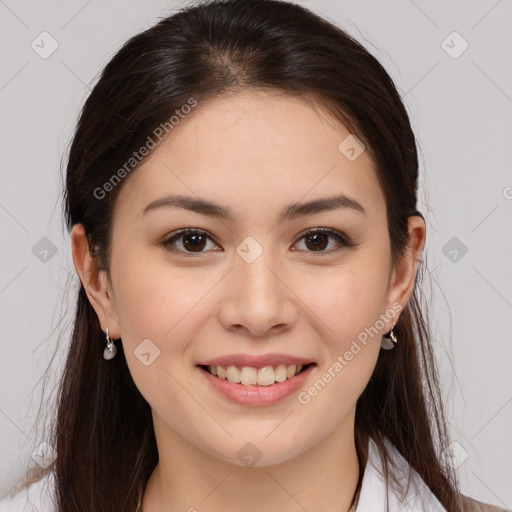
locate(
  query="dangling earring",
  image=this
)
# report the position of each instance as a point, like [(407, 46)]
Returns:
[(110, 350), (389, 340)]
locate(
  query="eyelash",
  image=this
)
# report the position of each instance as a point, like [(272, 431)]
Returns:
[(342, 240)]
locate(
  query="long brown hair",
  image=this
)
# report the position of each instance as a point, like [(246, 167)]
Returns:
[(103, 432)]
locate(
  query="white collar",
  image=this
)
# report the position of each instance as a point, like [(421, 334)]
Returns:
[(379, 496)]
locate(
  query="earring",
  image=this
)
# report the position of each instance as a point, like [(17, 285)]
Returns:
[(110, 350), (389, 340)]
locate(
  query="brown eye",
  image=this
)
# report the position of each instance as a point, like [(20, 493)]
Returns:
[(317, 240), (190, 240), (194, 242)]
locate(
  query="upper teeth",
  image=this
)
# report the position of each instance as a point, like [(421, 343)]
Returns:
[(262, 376)]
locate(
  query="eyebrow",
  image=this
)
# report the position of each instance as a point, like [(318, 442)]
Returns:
[(293, 211)]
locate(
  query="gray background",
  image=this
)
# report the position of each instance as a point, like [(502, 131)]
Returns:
[(460, 109)]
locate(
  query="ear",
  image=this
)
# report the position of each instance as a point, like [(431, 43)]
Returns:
[(403, 276), (96, 282)]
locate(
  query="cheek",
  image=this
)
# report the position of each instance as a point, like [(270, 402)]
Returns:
[(351, 330), (160, 310), (351, 299), (349, 302), (154, 300)]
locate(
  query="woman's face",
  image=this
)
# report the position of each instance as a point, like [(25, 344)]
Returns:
[(253, 283)]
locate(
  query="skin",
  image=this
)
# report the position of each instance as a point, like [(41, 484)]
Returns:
[(255, 152)]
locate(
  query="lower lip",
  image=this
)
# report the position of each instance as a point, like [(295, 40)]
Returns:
[(257, 395)]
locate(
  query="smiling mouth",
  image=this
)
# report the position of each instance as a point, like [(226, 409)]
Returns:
[(249, 376)]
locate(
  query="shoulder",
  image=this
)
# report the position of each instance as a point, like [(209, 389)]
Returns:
[(408, 494), (471, 505), (37, 497)]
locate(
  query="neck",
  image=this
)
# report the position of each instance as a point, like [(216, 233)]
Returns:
[(322, 477)]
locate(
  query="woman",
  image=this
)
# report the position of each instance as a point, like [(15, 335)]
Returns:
[(241, 195)]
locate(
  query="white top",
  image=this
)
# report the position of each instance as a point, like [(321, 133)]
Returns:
[(373, 497)]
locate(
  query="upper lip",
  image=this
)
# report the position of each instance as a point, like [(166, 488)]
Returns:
[(260, 361)]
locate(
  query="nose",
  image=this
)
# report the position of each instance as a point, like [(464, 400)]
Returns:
[(257, 299)]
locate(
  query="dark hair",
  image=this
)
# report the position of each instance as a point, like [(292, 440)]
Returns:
[(201, 52)]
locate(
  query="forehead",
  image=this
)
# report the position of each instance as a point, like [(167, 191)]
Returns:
[(253, 150)]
